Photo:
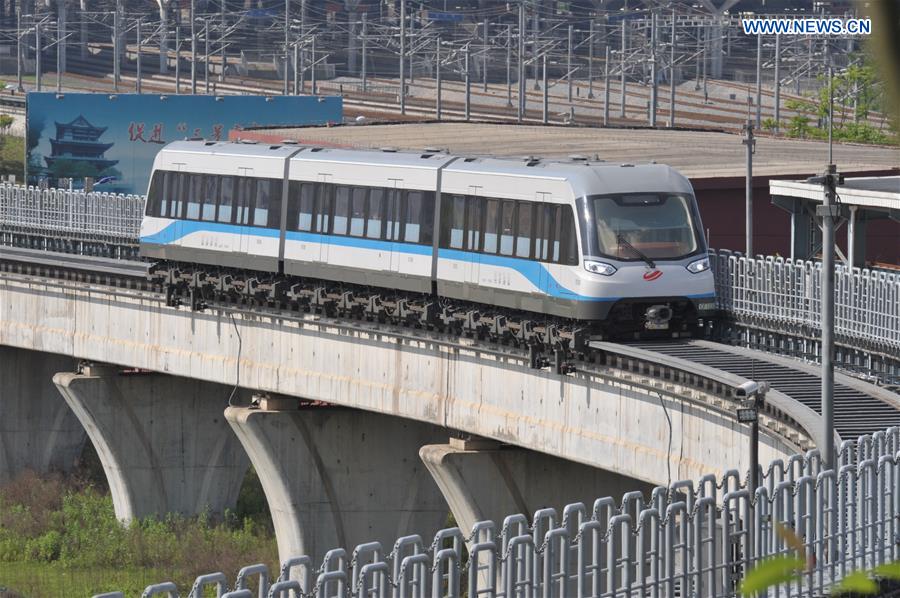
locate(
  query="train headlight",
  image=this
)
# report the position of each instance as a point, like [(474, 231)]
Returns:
[(698, 266), (599, 268)]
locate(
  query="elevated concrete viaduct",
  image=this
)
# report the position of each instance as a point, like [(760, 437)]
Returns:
[(422, 387)]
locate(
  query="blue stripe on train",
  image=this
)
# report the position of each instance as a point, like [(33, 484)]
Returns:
[(531, 270)]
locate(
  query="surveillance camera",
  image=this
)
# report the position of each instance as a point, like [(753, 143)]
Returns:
[(746, 390)]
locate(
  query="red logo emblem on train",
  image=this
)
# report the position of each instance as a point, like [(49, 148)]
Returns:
[(652, 275)]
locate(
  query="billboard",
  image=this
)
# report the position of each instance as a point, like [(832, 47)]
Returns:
[(114, 138)]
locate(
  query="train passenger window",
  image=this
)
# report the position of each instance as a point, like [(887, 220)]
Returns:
[(323, 207), (375, 213), (210, 193), (523, 231), (194, 195), (176, 183), (457, 221), (413, 232), (358, 212), (341, 210), (155, 194), (569, 245), (394, 214), (474, 208), (263, 197), (491, 220), (307, 202), (547, 215), (507, 224), (246, 189), (226, 199)]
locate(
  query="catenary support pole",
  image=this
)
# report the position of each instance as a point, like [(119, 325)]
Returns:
[(509, 66), (313, 66), (569, 64), (296, 51), (758, 81), (365, 49), (37, 54), (590, 94), (672, 74), (206, 56), (437, 76), (287, 44), (140, 48), (19, 86), (193, 48), (622, 67), (521, 45), (116, 49), (606, 88), (177, 58), (468, 66), (777, 108), (654, 84), (484, 58), (749, 142), (545, 104), (402, 56)]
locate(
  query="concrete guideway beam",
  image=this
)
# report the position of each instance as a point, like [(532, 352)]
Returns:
[(612, 420), (341, 477), (163, 441), (491, 481), (38, 431)]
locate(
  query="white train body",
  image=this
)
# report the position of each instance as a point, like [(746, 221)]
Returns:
[(617, 245)]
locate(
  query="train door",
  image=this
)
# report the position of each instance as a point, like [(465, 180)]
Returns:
[(544, 219), (246, 187), (394, 221), (474, 230), (176, 187), (324, 211)]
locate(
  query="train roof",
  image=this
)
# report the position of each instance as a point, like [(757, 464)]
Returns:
[(585, 176)]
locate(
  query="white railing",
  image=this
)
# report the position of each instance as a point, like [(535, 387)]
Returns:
[(687, 540), (74, 215), (786, 293)]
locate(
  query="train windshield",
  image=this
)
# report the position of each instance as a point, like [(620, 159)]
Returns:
[(642, 226)]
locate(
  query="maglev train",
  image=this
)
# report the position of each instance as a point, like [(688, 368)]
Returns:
[(616, 246)]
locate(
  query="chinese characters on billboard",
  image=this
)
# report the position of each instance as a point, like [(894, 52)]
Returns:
[(113, 139)]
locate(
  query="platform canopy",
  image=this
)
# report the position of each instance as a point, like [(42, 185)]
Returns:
[(862, 199)]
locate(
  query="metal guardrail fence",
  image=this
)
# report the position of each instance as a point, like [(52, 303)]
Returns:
[(688, 540), (786, 294), (69, 215)]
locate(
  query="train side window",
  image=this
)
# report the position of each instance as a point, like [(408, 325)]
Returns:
[(457, 221), (375, 213), (507, 227), (523, 230), (544, 231), (429, 205), (569, 245), (341, 210), (155, 194), (413, 230), (491, 221), (473, 223), (174, 193), (263, 197), (226, 200), (323, 207), (394, 214), (210, 195), (307, 196), (194, 196), (358, 212), (244, 199)]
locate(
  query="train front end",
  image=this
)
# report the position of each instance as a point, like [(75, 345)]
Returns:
[(645, 257)]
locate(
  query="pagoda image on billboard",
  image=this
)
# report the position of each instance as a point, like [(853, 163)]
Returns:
[(76, 151)]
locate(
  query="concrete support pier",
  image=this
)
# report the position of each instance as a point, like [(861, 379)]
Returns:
[(38, 431), (163, 441), (483, 480), (340, 477)]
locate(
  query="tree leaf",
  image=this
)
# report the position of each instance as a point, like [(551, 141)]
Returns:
[(889, 570), (771, 572), (858, 581)]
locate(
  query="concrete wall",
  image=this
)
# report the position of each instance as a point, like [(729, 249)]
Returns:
[(595, 419), (38, 431)]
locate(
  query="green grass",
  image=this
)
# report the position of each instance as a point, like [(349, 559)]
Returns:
[(61, 538)]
